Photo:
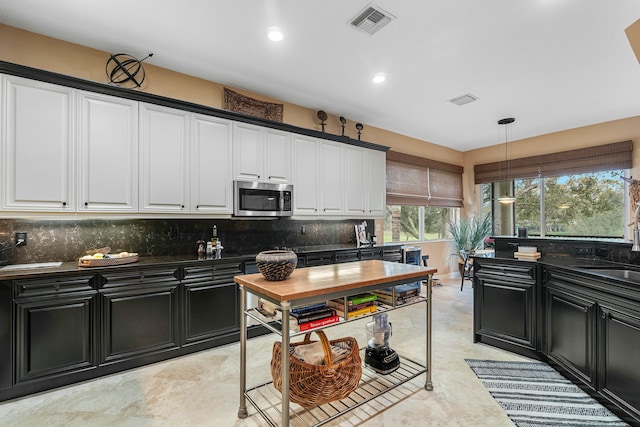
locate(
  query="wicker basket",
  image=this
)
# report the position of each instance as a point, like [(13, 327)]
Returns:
[(311, 385), (276, 265)]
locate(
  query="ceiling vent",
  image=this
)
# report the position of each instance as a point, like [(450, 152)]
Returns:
[(371, 19), (464, 99)]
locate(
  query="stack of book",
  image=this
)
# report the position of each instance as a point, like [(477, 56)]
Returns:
[(314, 316), (403, 294), (357, 305), (300, 318), (528, 256)]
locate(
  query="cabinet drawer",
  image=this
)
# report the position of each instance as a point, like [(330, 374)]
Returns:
[(24, 288), (372, 253), (322, 258), (150, 277), (347, 256)]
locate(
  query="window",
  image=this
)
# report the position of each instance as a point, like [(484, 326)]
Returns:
[(581, 205), (417, 223), (422, 197), (575, 193)]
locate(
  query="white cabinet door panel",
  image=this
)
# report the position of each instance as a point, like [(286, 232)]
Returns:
[(211, 154), (306, 166), (108, 153), (38, 146), (332, 178), (355, 190), (164, 153)]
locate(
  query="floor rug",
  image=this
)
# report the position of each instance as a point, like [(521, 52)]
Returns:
[(533, 394)]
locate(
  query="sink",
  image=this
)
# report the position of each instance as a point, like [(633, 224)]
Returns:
[(618, 274), (30, 266)]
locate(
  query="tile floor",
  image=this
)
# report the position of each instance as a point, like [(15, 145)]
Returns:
[(202, 389)]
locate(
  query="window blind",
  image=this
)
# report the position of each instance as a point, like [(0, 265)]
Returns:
[(415, 181), (583, 160)]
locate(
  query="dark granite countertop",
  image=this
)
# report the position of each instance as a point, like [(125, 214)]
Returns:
[(593, 266), (156, 261)]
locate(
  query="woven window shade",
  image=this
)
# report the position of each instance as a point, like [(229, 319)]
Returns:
[(414, 181), (584, 160)]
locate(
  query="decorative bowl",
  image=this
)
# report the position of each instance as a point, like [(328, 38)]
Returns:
[(276, 265)]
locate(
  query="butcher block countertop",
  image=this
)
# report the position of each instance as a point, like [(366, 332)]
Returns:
[(328, 279)]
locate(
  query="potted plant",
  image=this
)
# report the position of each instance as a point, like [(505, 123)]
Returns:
[(468, 236)]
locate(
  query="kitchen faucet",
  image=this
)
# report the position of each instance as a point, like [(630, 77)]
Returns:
[(636, 231)]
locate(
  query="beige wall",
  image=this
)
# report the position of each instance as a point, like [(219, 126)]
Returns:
[(34, 50)]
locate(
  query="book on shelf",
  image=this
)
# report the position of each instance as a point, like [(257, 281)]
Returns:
[(314, 315), (268, 306), (388, 299), (361, 298), (355, 313), (338, 304), (400, 290), (307, 308), (317, 323)]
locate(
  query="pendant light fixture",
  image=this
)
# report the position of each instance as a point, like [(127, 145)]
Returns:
[(506, 199)]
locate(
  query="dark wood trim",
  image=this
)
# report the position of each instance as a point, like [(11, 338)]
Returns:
[(136, 95)]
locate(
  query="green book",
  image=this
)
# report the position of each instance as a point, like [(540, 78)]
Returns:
[(361, 298)]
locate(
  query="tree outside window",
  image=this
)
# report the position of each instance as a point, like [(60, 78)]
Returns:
[(416, 223), (585, 205)]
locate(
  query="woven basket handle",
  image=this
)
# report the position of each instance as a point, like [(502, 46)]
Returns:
[(326, 346)]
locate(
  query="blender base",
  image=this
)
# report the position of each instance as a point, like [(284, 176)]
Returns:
[(382, 361)]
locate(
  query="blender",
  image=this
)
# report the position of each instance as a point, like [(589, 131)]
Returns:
[(378, 355)]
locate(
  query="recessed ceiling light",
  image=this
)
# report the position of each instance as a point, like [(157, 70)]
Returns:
[(379, 78), (275, 34)]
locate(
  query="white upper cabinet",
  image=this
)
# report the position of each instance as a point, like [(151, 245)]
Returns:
[(108, 153), (38, 146), (261, 154), (164, 154), (331, 176), (277, 156), (211, 156), (306, 167), (355, 176), (376, 183)]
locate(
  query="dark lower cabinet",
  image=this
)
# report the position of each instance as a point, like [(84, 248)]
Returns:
[(570, 322), (619, 356), (55, 327), (211, 303), (140, 314), (55, 336), (505, 304)]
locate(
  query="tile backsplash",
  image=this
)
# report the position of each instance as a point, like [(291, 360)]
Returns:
[(67, 239)]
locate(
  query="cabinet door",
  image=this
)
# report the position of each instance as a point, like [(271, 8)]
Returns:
[(139, 314), (38, 146), (505, 303), (277, 156), (55, 336), (108, 152), (331, 178), (305, 175), (619, 352), (376, 183), (164, 136), (211, 302), (211, 155), (355, 188), (248, 148), (570, 325)]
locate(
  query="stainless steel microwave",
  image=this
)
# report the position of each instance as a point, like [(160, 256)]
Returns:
[(262, 199)]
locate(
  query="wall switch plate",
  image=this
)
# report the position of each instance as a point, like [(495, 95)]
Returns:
[(303, 229), (21, 238)]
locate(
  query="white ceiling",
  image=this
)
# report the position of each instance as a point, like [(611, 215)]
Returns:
[(551, 64)]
